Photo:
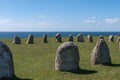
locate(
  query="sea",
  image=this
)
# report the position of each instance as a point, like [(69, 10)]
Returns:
[(10, 35)]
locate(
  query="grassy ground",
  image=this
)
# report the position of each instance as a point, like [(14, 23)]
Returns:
[(36, 61)]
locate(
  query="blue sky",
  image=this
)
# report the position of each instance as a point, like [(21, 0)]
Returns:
[(59, 15)]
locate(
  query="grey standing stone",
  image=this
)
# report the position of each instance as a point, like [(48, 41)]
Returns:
[(30, 39), (70, 38), (6, 62), (45, 38), (58, 37), (101, 37), (90, 38), (119, 46), (100, 53), (16, 40), (118, 39), (67, 57), (80, 38), (111, 38)]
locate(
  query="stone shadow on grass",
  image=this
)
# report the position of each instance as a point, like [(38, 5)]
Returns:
[(113, 65), (84, 71), (17, 78)]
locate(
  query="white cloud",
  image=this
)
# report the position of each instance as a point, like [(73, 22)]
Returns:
[(89, 21), (93, 17), (48, 24), (112, 20)]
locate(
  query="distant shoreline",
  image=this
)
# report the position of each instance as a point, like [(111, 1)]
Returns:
[(10, 35)]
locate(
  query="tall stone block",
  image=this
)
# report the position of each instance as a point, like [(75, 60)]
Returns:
[(30, 39), (67, 57), (119, 47), (6, 62), (100, 53)]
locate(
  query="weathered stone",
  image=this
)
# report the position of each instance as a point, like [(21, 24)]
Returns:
[(30, 39), (101, 37), (67, 57), (6, 62), (70, 38), (80, 38), (16, 40), (100, 53), (111, 38), (118, 39), (90, 39), (58, 37), (119, 46), (45, 38)]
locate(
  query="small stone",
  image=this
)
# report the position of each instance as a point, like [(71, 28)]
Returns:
[(6, 62), (45, 38), (90, 39), (30, 39), (67, 57), (16, 40), (101, 37), (58, 37), (80, 38), (70, 38), (111, 38)]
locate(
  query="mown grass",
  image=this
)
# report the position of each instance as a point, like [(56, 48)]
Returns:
[(36, 61)]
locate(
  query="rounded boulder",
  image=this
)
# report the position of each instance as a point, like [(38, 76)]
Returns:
[(6, 62), (67, 57)]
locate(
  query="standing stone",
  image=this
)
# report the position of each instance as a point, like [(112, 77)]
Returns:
[(6, 62), (80, 38), (30, 39), (16, 40), (101, 37), (111, 38), (58, 37), (118, 39), (67, 57), (90, 39), (119, 46), (45, 38), (100, 53), (70, 38)]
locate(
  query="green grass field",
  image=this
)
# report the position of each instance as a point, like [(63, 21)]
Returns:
[(36, 61)]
